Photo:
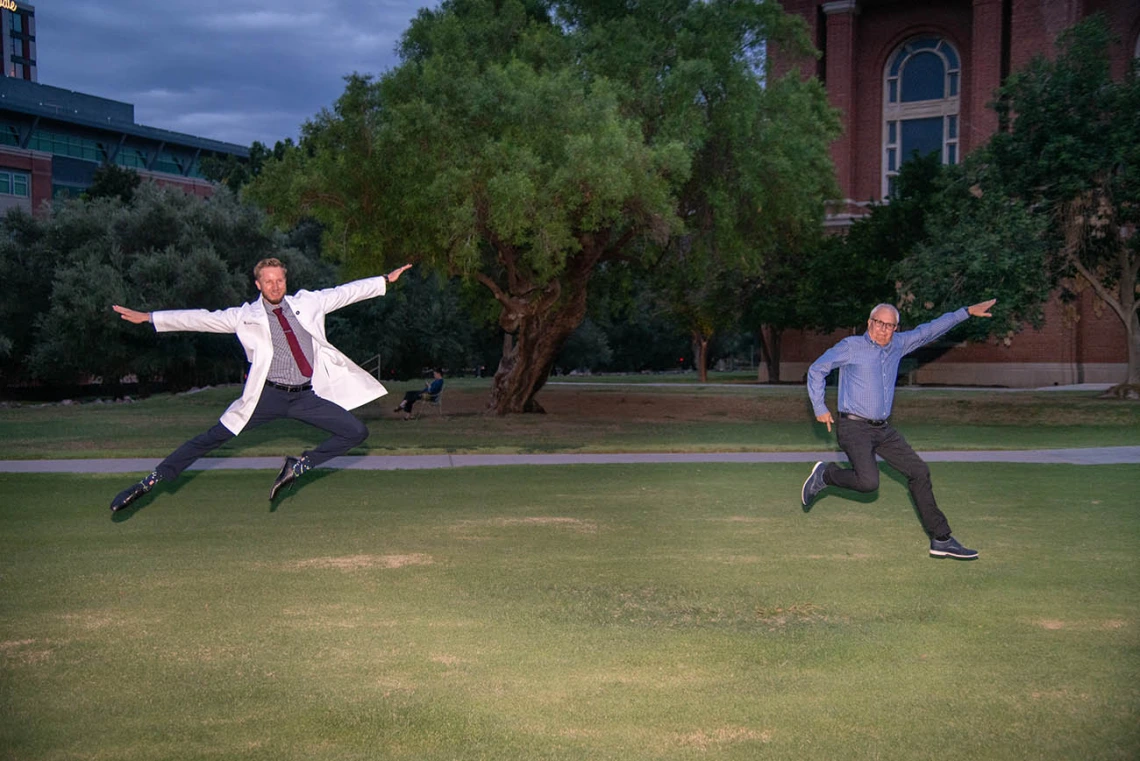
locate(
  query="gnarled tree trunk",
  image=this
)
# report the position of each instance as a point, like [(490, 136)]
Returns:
[(536, 324)]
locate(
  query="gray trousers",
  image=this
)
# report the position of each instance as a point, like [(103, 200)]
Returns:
[(347, 431), (861, 441)]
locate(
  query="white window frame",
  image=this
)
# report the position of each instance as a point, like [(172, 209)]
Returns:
[(11, 175), (895, 113)]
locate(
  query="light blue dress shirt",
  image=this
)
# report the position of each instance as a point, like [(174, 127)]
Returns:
[(867, 371)]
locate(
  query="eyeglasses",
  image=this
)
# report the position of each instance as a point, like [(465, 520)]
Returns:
[(885, 325)]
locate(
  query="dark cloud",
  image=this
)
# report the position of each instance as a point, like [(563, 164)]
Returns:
[(238, 71)]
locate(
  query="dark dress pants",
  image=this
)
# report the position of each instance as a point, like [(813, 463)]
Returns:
[(861, 441), (410, 399), (347, 431)]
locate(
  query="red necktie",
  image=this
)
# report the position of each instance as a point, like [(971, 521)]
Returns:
[(295, 347)]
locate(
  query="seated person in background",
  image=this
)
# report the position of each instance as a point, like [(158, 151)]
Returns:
[(429, 390)]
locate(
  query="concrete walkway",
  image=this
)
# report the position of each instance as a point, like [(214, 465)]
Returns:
[(1087, 456)]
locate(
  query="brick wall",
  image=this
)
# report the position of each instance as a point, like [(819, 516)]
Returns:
[(1082, 342), (880, 30)]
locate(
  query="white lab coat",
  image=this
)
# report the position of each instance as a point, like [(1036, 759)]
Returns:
[(335, 376)]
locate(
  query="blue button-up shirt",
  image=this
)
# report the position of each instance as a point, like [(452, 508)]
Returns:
[(867, 371)]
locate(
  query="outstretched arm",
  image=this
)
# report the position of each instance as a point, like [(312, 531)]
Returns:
[(130, 315), (394, 275), (982, 309), (910, 340)]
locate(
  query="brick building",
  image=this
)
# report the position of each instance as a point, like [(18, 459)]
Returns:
[(909, 76)]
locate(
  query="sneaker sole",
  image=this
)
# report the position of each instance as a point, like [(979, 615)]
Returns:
[(938, 554), (803, 489)]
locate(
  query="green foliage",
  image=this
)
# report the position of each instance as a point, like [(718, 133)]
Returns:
[(978, 245), (420, 323), (629, 329), (519, 147), (26, 267), (849, 275), (163, 250), (113, 181), (1056, 196), (588, 347), (236, 173), (759, 153)]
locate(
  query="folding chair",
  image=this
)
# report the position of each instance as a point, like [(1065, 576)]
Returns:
[(429, 400)]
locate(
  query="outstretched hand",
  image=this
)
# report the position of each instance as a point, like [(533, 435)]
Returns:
[(395, 274), (982, 309), (130, 315)]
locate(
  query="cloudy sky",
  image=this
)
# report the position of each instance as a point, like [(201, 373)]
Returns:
[(232, 70)]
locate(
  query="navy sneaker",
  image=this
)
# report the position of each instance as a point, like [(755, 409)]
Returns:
[(813, 486), (951, 549)]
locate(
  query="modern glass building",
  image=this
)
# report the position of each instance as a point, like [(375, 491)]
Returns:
[(52, 140)]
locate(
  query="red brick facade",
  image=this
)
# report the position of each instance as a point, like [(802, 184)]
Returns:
[(38, 165), (1082, 343)]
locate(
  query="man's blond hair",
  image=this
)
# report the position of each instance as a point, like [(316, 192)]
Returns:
[(270, 262)]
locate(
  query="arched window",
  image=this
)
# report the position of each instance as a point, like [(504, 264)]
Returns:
[(920, 104)]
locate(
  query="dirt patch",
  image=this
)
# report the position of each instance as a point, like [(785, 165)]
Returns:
[(361, 562), (1053, 624), (852, 556), (1062, 694), (15, 643), (91, 620), (723, 736), (23, 652), (573, 524)]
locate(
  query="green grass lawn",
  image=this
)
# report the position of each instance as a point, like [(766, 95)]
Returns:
[(680, 418), (613, 612)]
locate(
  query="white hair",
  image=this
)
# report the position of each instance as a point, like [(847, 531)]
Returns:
[(891, 307)]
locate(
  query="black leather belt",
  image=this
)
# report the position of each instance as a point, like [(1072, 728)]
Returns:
[(290, 389), (869, 421)]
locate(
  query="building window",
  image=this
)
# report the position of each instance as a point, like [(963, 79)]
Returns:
[(167, 162), (136, 158), (14, 183), (68, 145), (920, 105), (17, 22)]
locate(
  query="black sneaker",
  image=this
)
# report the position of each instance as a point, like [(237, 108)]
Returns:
[(950, 548), (134, 491), (813, 486), (290, 471)]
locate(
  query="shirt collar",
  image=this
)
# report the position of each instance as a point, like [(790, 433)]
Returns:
[(270, 307), (871, 341)]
